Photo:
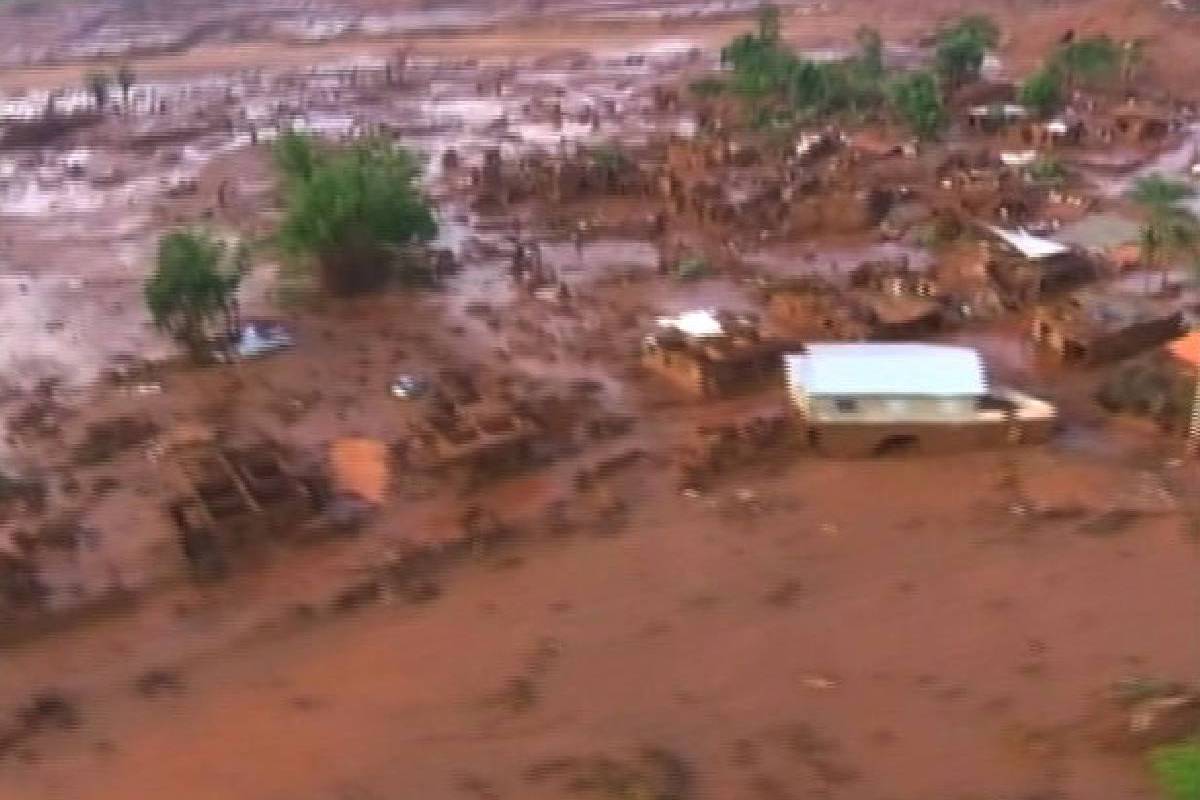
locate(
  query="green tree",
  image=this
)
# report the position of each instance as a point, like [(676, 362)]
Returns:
[(962, 47), (1042, 91), (611, 162), (769, 26), (1090, 60), (982, 27), (350, 209), (125, 78), (1049, 169), (707, 87), (1170, 231), (295, 156), (98, 84), (1133, 55), (194, 284), (959, 59), (782, 85), (870, 51), (1156, 192), (916, 100)]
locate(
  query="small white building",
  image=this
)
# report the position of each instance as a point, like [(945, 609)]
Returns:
[(857, 399)]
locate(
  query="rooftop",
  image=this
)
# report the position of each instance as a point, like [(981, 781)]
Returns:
[(886, 369), (1186, 348), (1035, 248), (694, 324)]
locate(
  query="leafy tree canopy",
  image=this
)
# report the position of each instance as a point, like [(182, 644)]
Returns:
[(1042, 91), (1157, 192), (919, 103), (193, 285), (962, 47), (348, 208), (1091, 59)]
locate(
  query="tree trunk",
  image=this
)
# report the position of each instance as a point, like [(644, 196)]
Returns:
[(354, 269)]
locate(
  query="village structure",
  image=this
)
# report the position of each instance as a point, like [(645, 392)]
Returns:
[(713, 301)]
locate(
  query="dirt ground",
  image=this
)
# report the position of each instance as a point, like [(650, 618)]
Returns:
[(798, 642), (909, 628)]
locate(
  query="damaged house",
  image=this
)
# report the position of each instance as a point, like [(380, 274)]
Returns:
[(231, 498), (468, 427), (1093, 327), (1132, 123), (995, 117), (711, 353), (883, 301), (1026, 267), (1106, 237), (870, 399), (812, 308)]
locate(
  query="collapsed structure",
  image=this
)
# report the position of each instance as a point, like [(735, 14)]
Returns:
[(1093, 326), (711, 353), (1027, 267), (462, 428), (231, 498)]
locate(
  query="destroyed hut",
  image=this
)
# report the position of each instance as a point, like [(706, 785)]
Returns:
[(1093, 327), (711, 353)]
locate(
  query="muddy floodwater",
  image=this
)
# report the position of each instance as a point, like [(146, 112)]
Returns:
[(79, 223), (587, 564)]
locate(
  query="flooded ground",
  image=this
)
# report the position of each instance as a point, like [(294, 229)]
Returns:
[(101, 204), (908, 628)]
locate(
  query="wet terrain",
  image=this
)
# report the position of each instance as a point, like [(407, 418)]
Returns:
[(925, 628)]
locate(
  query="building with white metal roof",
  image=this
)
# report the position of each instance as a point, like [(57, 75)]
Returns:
[(887, 369), (866, 397)]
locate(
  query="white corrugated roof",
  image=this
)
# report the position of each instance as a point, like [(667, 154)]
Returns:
[(699, 324), (1028, 245), (886, 368), (1018, 158)]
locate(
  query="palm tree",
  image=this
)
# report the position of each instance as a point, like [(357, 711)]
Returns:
[(768, 23), (1133, 54), (1155, 191), (97, 86), (1169, 231), (125, 79), (870, 51)]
